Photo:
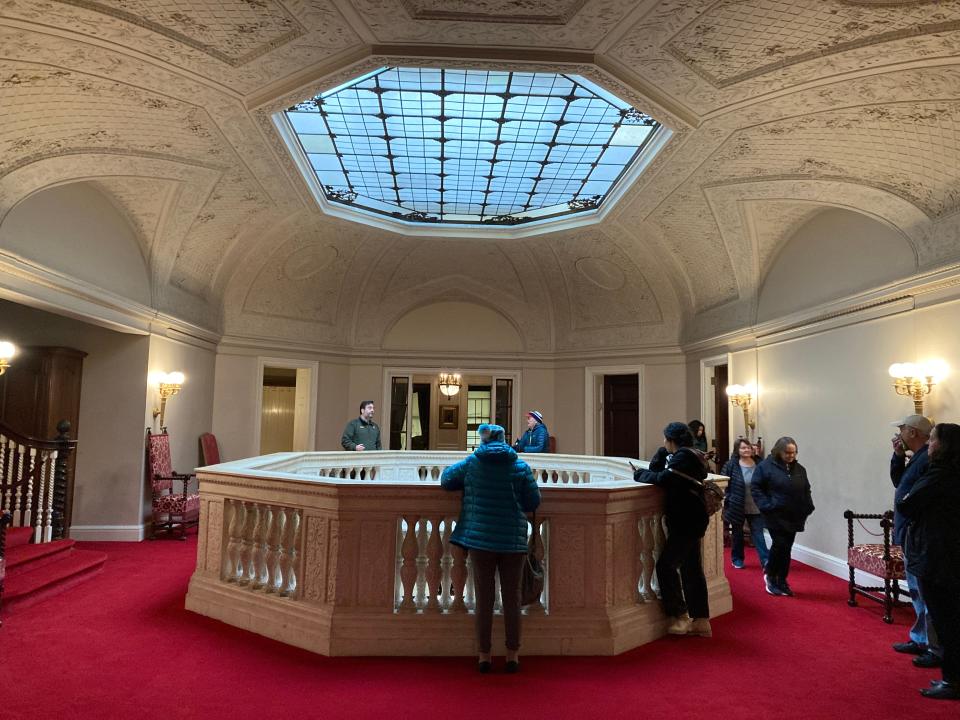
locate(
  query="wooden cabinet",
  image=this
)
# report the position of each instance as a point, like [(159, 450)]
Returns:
[(41, 388)]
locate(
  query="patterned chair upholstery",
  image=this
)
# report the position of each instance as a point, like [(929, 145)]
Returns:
[(882, 560), (171, 509)]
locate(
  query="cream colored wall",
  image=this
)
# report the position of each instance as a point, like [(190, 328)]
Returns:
[(831, 392), (454, 326), (537, 392), (664, 400), (75, 229), (335, 406), (835, 254), (568, 409), (235, 389), (108, 485)]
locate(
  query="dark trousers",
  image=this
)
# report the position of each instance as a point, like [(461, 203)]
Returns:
[(778, 563), (943, 604), (683, 587), (485, 566)]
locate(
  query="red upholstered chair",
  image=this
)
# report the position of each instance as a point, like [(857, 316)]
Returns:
[(884, 561), (209, 450), (552, 445), (171, 509)]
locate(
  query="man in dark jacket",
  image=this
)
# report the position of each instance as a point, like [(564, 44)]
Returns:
[(536, 438), (362, 433), (913, 435), (680, 470)]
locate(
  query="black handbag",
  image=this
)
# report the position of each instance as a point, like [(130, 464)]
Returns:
[(531, 582)]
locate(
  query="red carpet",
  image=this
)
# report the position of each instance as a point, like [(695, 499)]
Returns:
[(122, 646)]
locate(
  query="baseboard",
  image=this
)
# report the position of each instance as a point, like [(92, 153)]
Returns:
[(831, 565), (107, 533)]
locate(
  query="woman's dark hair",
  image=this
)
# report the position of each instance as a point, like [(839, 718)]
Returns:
[(679, 433), (695, 426), (948, 443), (735, 453), (780, 447)]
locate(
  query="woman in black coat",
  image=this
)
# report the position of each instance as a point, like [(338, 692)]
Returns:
[(782, 493), (932, 547), (738, 504), (679, 470)]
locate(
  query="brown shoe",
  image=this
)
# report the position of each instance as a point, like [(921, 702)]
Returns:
[(701, 627), (680, 625)]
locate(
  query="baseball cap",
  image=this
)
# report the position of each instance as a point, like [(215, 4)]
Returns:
[(918, 422), (535, 414)]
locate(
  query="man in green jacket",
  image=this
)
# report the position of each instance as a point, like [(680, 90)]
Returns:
[(362, 433)]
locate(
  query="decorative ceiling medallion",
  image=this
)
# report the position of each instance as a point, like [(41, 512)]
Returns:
[(532, 12), (308, 261), (232, 32), (467, 147), (602, 273)]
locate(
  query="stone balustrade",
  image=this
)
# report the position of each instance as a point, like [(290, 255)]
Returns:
[(349, 554)]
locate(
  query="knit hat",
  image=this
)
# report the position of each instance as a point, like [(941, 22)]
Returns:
[(535, 414), (496, 433)]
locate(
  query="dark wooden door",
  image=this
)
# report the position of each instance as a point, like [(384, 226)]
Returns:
[(621, 416), (721, 411)]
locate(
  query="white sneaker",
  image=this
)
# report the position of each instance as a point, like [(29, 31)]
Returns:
[(680, 625)]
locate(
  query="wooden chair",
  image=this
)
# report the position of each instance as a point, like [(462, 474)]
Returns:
[(170, 508), (881, 560), (209, 450)]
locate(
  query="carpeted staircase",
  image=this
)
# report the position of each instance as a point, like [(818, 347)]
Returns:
[(35, 572)]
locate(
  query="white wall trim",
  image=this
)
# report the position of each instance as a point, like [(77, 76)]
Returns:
[(293, 364), (590, 409), (832, 566), (107, 533)]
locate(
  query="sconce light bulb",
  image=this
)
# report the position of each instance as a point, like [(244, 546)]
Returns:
[(7, 350), (936, 369), (175, 378), (734, 390), (896, 370)]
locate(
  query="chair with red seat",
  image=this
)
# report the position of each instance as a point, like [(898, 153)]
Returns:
[(884, 561), (171, 509), (209, 450)]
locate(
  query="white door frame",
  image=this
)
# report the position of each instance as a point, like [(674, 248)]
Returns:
[(706, 390), (593, 404), (293, 364)]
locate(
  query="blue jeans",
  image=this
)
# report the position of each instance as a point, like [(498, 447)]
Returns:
[(757, 527), (922, 632)]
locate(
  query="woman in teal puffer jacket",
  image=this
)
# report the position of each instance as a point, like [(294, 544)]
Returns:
[(498, 488)]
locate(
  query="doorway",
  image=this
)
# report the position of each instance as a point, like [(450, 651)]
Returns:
[(715, 406), (286, 399), (621, 416)]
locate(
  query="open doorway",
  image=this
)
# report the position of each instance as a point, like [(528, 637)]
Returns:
[(715, 406), (286, 420)]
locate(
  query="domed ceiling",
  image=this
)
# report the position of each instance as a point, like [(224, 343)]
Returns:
[(774, 111)]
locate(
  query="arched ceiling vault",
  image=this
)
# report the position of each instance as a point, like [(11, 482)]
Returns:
[(776, 106)]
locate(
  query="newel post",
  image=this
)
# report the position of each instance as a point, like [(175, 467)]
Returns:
[(64, 447)]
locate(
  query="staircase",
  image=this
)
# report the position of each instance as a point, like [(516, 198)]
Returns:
[(38, 571)]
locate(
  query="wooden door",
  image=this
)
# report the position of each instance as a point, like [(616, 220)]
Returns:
[(721, 412), (621, 415)]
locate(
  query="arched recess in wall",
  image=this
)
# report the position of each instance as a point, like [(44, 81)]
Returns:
[(75, 229), (454, 326), (835, 254)]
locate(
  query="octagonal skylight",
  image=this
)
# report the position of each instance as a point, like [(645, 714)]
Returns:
[(468, 147)]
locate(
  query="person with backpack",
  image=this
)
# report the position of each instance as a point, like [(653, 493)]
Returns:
[(680, 470)]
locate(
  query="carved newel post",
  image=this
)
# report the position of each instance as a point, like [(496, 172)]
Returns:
[(60, 467)]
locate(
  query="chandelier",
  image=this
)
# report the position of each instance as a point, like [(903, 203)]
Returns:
[(449, 383)]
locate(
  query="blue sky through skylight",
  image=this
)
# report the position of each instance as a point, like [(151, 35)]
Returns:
[(469, 146)]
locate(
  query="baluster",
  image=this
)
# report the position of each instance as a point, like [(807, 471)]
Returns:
[(60, 461), (290, 586), (261, 573), (275, 548), (446, 563), (233, 570), (283, 554), (21, 494), (47, 468), (33, 502), (408, 571), (644, 562), (246, 543), (421, 587), (657, 534), (469, 596), (539, 552), (458, 574), (435, 589)]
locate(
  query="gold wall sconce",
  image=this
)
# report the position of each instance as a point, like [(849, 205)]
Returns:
[(742, 396), (7, 351), (169, 384), (916, 380), (449, 383)]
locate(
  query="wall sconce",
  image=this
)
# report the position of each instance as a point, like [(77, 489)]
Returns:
[(916, 380), (170, 384), (449, 384), (741, 396), (7, 351)]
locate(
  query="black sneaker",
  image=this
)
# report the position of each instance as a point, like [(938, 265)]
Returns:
[(771, 587), (927, 660), (785, 589), (909, 647)]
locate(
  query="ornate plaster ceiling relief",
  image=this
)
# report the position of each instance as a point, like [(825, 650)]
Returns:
[(539, 12), (141, 201), (736, 40), (602, 273), (306, 262), (231, 31)]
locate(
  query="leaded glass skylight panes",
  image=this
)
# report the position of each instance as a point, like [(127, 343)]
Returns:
[(469, 147)]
